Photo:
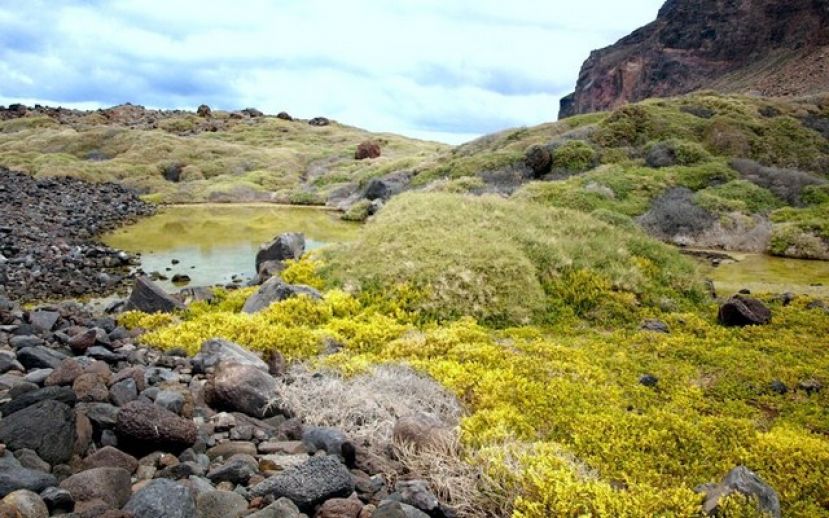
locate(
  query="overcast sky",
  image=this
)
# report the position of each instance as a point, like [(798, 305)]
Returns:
[(442, 69)]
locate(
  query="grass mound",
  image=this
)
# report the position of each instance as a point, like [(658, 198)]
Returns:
[(508, 262)]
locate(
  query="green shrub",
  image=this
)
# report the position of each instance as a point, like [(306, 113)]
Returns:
[(627, 126), (737, 196), (358, 212), (507, 262), (575, 156)]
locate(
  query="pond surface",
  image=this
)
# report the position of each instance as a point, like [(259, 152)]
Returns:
[(763, 273), (215, 242)]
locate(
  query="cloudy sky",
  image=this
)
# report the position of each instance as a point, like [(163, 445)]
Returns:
[(442, 69)]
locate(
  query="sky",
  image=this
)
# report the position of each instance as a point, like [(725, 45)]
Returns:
[(446, 70)]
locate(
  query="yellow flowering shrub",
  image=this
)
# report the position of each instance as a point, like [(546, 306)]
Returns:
[(556, 414)]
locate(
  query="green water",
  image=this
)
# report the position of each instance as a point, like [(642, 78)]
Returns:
[(215, 242), (763, 273)]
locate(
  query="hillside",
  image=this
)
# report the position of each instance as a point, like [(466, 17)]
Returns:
[(185, 157), (706, 170), (763, 47)]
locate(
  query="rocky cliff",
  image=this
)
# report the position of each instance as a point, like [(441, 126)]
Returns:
[(764, 47)]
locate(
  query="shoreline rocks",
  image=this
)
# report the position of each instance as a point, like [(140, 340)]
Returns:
[(48, 238)]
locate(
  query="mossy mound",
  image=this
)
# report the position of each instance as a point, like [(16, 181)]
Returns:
[(508, 262)]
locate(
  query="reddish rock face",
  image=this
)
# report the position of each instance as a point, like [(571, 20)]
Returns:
[(766, 47)]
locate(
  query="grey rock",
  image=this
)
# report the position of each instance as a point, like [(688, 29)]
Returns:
[(417, 494), (238, 470), (38, 376), (102, 414), (8, 361), (171, 400), (741, 480), (13, 476), (390, 509), (62, 394), (245, 389), (44, 320), (102, 353), (275, 290), (30, 459), (221, 504), (657, 326), (329, 440), (146, 296), (21, 342), (123, 392), (162, 498), (214, 351), (290, 245), (309, 484), (40, 357), (47, 427)]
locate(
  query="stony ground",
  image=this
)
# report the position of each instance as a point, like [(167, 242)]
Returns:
[(48, 229), (94, 424)]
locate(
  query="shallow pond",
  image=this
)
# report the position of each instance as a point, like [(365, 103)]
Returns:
[(213, 243), (763, 273)]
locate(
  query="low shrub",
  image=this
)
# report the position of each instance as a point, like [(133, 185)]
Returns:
[(787, 184), (675, 214), (737, 196), (575, 156), (674, 152)]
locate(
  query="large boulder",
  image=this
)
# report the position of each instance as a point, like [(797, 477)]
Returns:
[(275, 290), (244, 388), (317, 480), (109, 457), (221, 504), (162, 498), (142, 426), (146, 296), (40, 357), (47, 427), (111, 485), (741, 480), (290, 245), (742, 311), (215, 351)]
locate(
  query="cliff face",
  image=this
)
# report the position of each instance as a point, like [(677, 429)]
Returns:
[(764, 47)]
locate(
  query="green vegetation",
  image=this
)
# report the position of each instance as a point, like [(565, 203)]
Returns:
[(556, 416), (509, 262), (264, 159)]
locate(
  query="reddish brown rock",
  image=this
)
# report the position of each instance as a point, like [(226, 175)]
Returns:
[(143, 426), (367, 149), (766, 47)]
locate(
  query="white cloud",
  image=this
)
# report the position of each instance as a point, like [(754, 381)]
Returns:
[(451, 69)]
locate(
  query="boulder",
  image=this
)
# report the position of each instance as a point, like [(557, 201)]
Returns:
[(538, 159), (214, 351), (146, 296), (237, 470), (162, 498), (741, 480), (111, 485), (47, 427), (416, 493), (245, 389), (290, 245), (391, 509), (317, 480), (90, 387), (740, 311), (282, 508), (83, 341), (367, 149), (57, 500), (65, 373), (221, 504), (144, 426), (656, 326), (386, 187), (329, 440), (319, 121), (275, 290), (123, 392), (284, 116)]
